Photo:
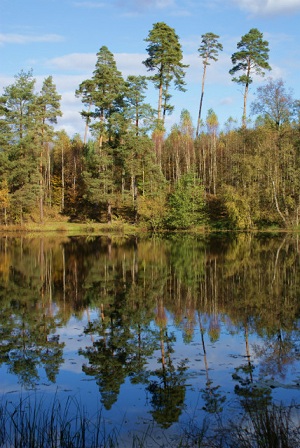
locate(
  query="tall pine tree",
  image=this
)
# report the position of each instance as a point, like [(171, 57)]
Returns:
[(164, 58), (252, 57)]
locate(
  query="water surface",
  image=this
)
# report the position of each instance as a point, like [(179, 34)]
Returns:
[(157, 333)]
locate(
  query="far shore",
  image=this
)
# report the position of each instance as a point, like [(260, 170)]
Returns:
[(116, 228)]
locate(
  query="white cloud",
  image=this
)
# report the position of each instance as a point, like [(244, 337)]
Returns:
[(74, 62), (72, 121), (71, 106), (277, 72), (90, 5), (279, 39), (134, 8), (181, 13), (269, 7), (6, 81), (63, 83), (175, 8), (217, 72), (25, 38), (162, 3), (69, 98), (226, 101), (127, 63), (80, 66), (131, 63), (146, 4)]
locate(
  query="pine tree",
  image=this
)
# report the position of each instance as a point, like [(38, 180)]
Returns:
[(86, 92), (18, 109), (208, 51), (18, 100), (165, 58), (109, 87), (47, 109), (140, 113), (252, 57)]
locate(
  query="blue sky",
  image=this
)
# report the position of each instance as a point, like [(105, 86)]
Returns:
[(61, 38)]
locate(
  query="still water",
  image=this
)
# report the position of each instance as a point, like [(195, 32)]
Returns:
[(159, 334)]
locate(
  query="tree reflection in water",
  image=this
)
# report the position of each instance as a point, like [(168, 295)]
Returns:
[(212, 397), (150, 300), (168, 388)]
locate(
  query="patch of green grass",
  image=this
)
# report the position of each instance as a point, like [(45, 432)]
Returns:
[(28, 424), (70, 228)]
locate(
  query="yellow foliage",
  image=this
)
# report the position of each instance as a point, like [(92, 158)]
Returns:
[(152, 210), (4, 194)]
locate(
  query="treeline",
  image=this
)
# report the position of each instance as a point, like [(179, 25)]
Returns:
[(130, 170)]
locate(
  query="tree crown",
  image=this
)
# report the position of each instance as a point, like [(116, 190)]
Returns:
[(165, 55), (252, 56), (209, 47)]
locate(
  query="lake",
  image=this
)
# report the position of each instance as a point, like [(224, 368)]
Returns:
[(158, 336)]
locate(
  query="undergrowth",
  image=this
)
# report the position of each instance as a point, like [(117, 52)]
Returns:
[(31, 424)]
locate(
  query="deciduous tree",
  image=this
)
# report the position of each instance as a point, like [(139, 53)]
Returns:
[(179, 152), (274, 103), (212, 124)]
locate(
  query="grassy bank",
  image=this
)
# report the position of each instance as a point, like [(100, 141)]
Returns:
[(28, 424), (69, 228), (55, 223)]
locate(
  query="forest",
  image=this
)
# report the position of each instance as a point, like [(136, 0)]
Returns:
[(131, 170)]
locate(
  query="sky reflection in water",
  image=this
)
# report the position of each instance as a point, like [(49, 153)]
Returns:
[(158, 330)]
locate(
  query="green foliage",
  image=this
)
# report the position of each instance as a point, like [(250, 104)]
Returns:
[(208, 51), (209, 48), (152, 211), (179, 152), (237, 208), (186, 203), (252, 57), (212, 121), (140, 113), (29, 117), (18, 101), (226, 281), (250, 177), (164, 57), (103, 95)]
